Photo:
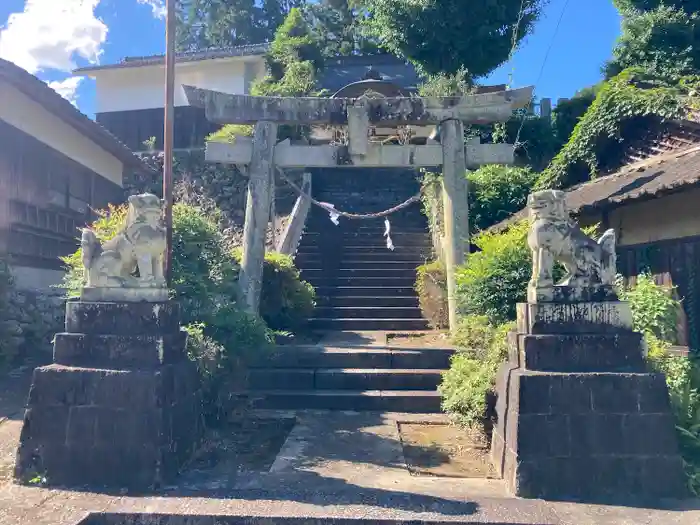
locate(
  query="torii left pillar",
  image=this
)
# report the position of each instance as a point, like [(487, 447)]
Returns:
[(455, 207), (257, 213)]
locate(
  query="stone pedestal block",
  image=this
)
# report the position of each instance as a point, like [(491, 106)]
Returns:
[(120, 406), (616, 352), (579, 416), (574, 318)]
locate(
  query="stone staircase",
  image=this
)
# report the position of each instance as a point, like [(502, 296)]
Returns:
[(334, 377), (360, 283), (363, 290)]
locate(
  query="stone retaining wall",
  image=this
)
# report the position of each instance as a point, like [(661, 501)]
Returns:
[(32, 319)]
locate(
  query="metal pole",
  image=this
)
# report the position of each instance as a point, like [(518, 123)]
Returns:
[(168, 133)]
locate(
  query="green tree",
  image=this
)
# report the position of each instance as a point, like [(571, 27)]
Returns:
[(496, 192), (442, 36), (337, 24), (567, 113), (661, 37), (292, 61), (204, 24), (690, 6)]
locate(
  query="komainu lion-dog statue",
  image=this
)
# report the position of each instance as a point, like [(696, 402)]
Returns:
[(554, 237), (139, 245)]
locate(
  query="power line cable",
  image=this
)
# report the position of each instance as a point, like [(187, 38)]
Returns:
[(544, 63)]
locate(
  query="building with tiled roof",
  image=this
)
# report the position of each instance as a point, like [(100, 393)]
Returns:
[(56, 164), (130, 94), (653, 204)]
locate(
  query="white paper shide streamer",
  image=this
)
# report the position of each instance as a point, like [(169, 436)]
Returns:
[(387, 234), (334, 216)]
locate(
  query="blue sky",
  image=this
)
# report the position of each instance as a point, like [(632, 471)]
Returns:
[(50, 37)]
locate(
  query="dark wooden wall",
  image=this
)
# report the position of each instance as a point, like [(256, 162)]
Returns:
[(45, 197), (135, 127), (676, 263)]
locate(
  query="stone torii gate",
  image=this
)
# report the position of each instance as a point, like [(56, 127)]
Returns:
[(263, 154)]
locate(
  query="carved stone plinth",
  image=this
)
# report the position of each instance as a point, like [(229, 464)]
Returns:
[(578, 415), (120, 406)]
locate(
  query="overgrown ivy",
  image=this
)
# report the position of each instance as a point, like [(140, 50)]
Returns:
[(626, 106)]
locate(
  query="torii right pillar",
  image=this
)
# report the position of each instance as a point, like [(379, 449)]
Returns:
[(455, 207)]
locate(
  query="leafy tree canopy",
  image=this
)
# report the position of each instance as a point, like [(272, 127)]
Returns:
[(689, 6), (293, 60), (204, 24), (442, 36), (337, 25), (664, 41)]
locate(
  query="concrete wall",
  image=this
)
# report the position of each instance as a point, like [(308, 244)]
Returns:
[(126, 89), (27, 278), (23, 113), (673, 217)]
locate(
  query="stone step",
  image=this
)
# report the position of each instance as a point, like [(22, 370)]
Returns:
[(308, 259), (324, 323), (364, 248), (359, 227), (396, 302), (343, 379), (385, 282), (387, 265), (368, 312), (301, 356), (347, 273), (382, 357), (422, 401), (326, 227), (365, 291), (399, 235)]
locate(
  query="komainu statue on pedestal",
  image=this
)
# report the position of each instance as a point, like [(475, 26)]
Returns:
[(139, 245), (554, 237)]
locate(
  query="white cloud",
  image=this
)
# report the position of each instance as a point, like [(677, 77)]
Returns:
[(67, 88), (157, 6), (50, 34)]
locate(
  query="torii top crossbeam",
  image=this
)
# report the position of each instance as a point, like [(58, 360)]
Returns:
[(482, 108)]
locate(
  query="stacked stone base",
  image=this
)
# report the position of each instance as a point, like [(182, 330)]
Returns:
[(120, 406), (578, 415)]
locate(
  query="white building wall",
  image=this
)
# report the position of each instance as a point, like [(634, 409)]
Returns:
[(23, 113), (143, 87)]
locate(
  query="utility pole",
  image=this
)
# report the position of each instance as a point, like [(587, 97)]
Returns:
[(168, 134)]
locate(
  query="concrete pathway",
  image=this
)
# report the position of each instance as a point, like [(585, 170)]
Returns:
[(332, 464)]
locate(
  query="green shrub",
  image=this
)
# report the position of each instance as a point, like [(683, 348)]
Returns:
[(683, 380), (431, 286), (229, 132), (654, 310), (446, 85), (497, 192), (286, 302), (494, 280), (654, 313), (467, 387), (473, 336)]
